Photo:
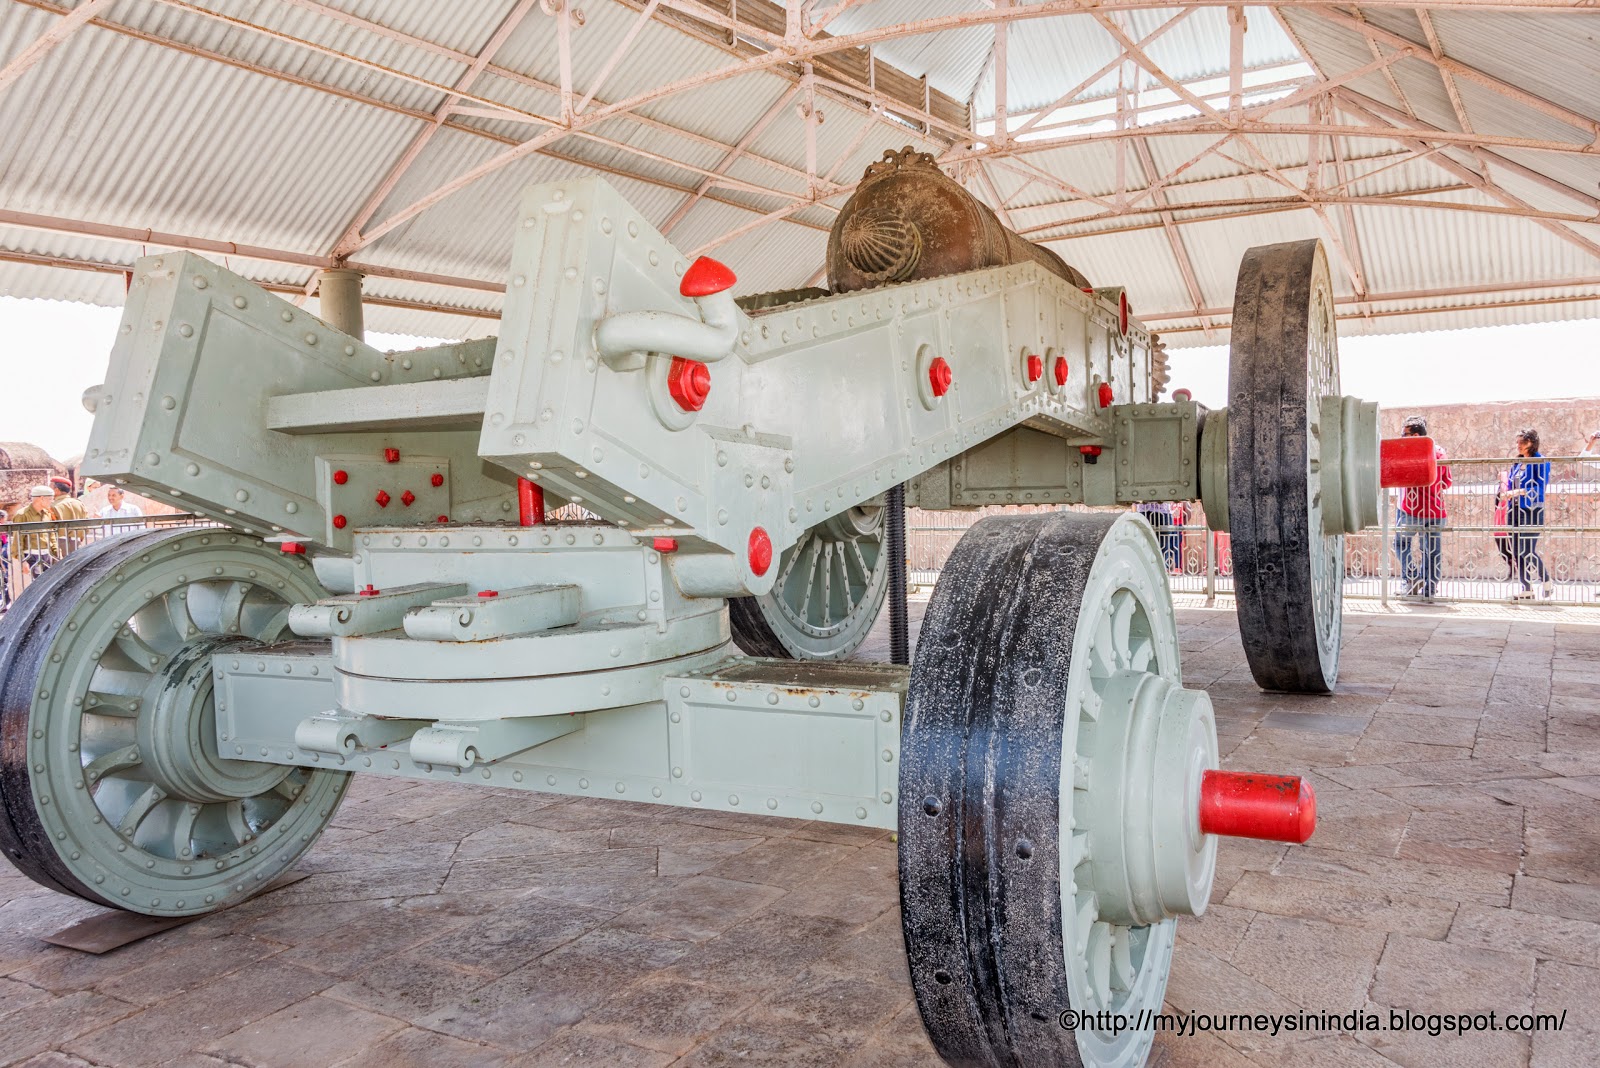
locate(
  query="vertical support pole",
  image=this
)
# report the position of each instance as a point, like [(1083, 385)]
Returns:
[(1211, 568), (1383, 548), (894, 531), (530, 503), (339, 300)]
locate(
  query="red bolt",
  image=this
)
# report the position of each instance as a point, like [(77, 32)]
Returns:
[(665, 545), (408, 498), (368, 592), (1062, 367), (341, 477), (1122, 311), (382, 498), (339, 521), (704, 277), (488, 593), (391, 456), (760, 551), (437, 480), (1091, 451), (689, 383), (1105, 395), (292, 547), (444, 519), (939, 376), (1035, 367), (1277, 808)]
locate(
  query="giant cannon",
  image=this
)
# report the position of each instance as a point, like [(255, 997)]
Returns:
[(181, 711)]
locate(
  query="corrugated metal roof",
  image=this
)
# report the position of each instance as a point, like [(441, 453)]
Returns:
[(272, 125)]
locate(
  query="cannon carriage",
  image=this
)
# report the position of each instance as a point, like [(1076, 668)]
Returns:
[(180, 711)]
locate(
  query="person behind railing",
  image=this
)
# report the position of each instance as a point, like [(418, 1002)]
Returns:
[(118, 508), (1502, 530), (1421, 513), (1160, 517), (36, 549), (1525, 490)]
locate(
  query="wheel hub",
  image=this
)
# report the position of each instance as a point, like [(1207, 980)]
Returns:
[(177, 734), (1152, 746)]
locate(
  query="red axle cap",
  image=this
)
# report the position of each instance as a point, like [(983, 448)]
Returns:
[(940, 376), (1062, 369), (1035, 367), (760, 551), (1407, 462), (705, 277), (1242, 804), (1105, 395)]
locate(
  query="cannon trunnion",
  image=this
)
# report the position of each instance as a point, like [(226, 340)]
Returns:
[(180, 711)]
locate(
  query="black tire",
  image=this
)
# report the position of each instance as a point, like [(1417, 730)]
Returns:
[(1277, 372)]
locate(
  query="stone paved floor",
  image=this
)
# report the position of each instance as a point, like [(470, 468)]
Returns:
[(1456, 869)]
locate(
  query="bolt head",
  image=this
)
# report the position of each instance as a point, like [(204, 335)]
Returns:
[(341, 477), (408, 498), (1104, 394), (689, 383), (940, 376), (339, 522), (437, 480), (383, 498), (1061, 369), (391, 456), (760, 551), (1035, 367)]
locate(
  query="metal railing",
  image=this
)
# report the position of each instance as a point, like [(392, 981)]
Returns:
[(1481, 553), (27, 550)]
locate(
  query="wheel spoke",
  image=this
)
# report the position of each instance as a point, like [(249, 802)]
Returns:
[(183, 830), (230, 611), (109, 763), (138, 651), (1122, 970), (121, 705), (142, 806), (237, 825), (176, 603), (1097, 962), (1123, 607)]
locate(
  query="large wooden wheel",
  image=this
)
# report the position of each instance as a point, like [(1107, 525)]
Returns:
[(1288, 572), (112, 786)]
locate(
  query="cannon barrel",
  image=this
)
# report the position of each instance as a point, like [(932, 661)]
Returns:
[(908, 221)]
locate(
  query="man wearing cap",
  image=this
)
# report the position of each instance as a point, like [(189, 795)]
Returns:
[(38, 549), (66, 505)]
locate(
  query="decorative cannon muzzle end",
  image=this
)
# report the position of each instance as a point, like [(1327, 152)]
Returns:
[(1242, 804), (1404, 463)]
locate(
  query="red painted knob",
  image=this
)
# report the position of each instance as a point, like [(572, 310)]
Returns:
[(292, 547), (488, 593), (370, 591), (443, 519), (339, 522), (704, 277), (689, 383), (664, 545), (436, 481), (1242, 804), (1062, 367), (383, 498), (391, 456), (1105, 395), (760, 551), (1406, 462), (1122, 312), (341, 477), (940, 376), (408, 498), (1090, 451), (1035, 367), (530, 503)]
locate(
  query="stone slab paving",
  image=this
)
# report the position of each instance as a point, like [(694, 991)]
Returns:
[(1456, 869)]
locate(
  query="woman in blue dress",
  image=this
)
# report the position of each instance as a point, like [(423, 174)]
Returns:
[(1525, 489)]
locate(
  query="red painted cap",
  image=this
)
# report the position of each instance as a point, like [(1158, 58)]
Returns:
[(1090, 450), (408, 498), (1105, 395), (1406, 462), (488, 593), (436, 480), (665, 545), (689, 383), (341, 477), (1123, 311), (339, 522), (391, 456), (1061, 370), (760, 551), (370, 591), (940, 376), (1242, 804), (383, 498), (704, 277), (1035, 367), (291, 547)]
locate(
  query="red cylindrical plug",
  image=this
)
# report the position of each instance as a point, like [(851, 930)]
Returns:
[(530, 503), (689, 383), (1407, 462), (1243, 804)]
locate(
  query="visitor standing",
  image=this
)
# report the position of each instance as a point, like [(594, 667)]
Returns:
[(1525, 491), (36, 549), (1419, 516)]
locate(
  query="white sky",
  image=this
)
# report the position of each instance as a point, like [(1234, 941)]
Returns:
[(51, 351)]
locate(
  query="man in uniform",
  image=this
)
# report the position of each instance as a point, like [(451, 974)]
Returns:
[(37, 549)]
